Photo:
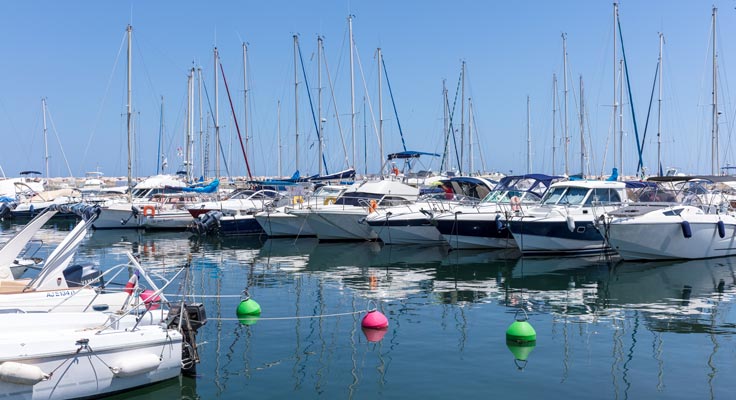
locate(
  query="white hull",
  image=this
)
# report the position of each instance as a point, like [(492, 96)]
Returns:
[(340, 223), (283, 224), (68, 300), (80, 360), (541, 245), (662, 240), (168, 220), (459, 242), (118, 216), (409, 234)]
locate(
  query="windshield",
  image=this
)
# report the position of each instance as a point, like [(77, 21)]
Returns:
[(565, 195)]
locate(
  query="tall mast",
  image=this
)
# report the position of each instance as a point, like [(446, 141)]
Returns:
[(564, 72), (445, 134), (714, 129), (161, 141), (462, 120), (190, 126), (352, 85), (129, 29), (45, 138), (202, 149), (528, 136), (319, 101), (278, 136), (245, 98), (621, 120), (615, 77), (659, 108), (582, 128), (380, 115), (296, 103), (554, 122), (217, 118), (470, 136)]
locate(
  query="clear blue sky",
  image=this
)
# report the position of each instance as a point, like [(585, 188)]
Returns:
[(73, 54)]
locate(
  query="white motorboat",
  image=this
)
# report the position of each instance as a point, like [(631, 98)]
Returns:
[(701, 226), (281, 222), (344, 219), (412, 223), (83, 354), (564, 223), (483, 225), (127, 214)]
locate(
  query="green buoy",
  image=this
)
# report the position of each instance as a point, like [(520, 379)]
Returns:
[(248, 307), (521, 331), (520, 351), (248, 319)]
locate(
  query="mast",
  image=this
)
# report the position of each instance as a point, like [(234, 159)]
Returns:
[(528, 136), (659, 108), (462, 120), (621, 121), (296, 104), (129, 29), (380, 115), (45, 138), (615, 76), (582, 128), (446, 117), (161, 162), (190, 126), (352, 85), (564, 71), (319, 102), (714, 130), (202, 149), (217, 119), (554, 122), (278, 136), (245, 97), (470, 136)]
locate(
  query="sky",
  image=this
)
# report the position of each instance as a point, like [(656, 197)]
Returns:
[(73, 54)]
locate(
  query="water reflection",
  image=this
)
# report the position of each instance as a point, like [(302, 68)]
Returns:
[(615, 325)]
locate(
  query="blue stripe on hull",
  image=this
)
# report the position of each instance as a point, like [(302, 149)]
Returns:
[(247, 226), (473, 228), (583, 230)]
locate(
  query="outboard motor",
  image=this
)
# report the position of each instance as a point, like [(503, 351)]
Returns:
[(5, 209), (206, 223), (79, 275), (193, 318)]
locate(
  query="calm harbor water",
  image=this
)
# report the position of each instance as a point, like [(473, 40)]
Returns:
[(605, 329)]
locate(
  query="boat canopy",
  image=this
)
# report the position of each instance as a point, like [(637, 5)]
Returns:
[(410, 154)]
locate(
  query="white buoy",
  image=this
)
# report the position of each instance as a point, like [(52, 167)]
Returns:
[(139, 364), (22, 374)]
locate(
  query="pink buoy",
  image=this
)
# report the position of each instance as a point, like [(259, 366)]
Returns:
[(148, 297), (375, 320)]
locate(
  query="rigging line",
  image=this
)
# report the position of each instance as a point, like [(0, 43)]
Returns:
[(631, 99), (63, 154), (104, 97), (289, 318), (477, 138), (235, 118), (212, 116), (311, 105), (370, 105), (393, 103), (649, 111), (450, 128), (337, 114)]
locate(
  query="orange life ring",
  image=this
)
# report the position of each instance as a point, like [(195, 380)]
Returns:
[(149, 210), (515, 203), (372, 206)]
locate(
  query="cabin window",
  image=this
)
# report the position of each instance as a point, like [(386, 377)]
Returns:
[(603, 196)]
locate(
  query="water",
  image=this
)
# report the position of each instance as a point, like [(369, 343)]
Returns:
[(604, 330)]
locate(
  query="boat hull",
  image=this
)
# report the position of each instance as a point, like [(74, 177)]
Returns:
[(281, 224), (554, 237), (414, 228)]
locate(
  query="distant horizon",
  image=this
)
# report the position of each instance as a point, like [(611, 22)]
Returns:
[(78, 62)]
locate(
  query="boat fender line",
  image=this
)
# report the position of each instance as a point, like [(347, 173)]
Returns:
[(687, 232), (721, 229), (570, 223), (22, 374), (149, 210), (131, 366)]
